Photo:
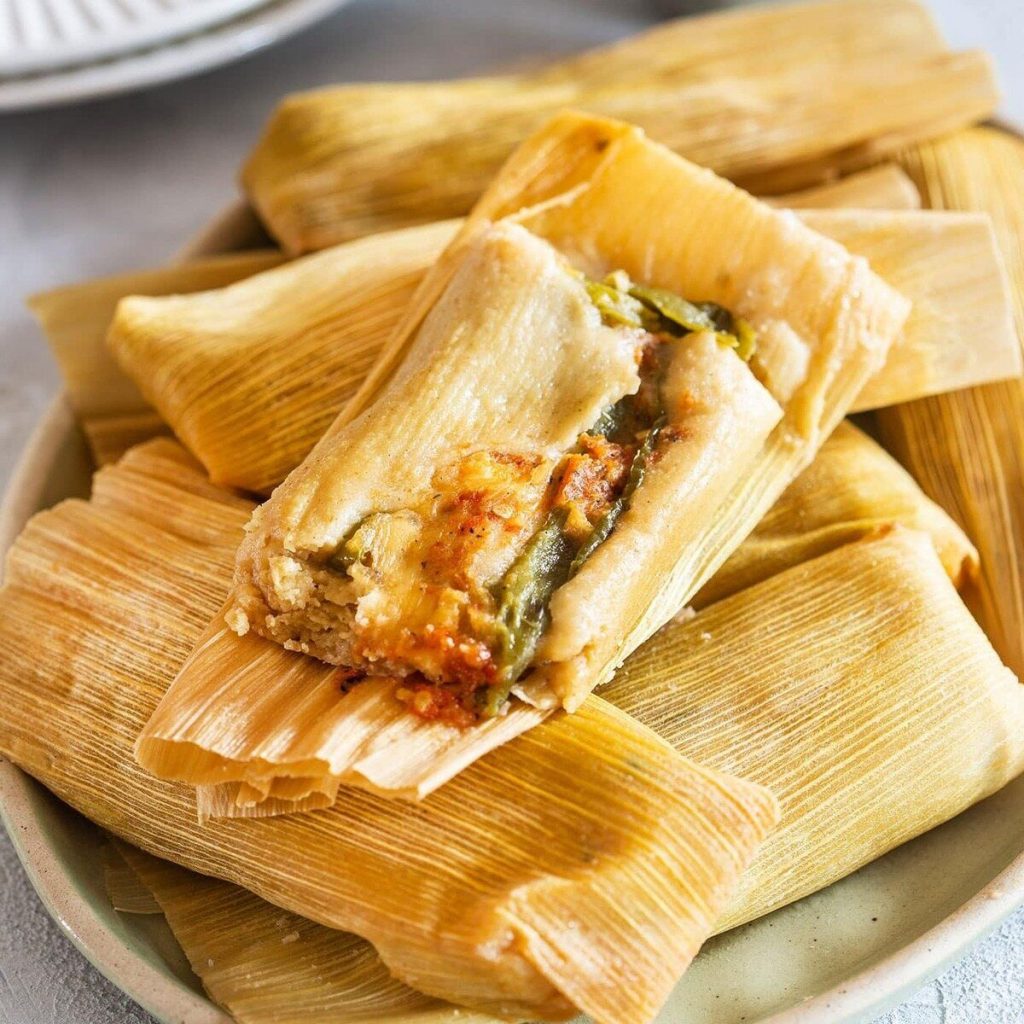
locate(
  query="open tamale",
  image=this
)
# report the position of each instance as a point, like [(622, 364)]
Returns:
[(775, 98), (70, 708), (625, 853), (967, 448), (507, 554), (250, 376), (269, 966), (75, 319)]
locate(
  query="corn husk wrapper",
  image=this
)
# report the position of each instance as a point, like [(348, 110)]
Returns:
[(852, 490), (577, 185), (624, 853), (775, 98), (885, 187), (951, 270), (967, 448), (127, 892), (874, 707), (249, 376), (69, 720), (268, 966), (111, 408)]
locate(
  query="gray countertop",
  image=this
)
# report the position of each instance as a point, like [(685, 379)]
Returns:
[(121, 183)]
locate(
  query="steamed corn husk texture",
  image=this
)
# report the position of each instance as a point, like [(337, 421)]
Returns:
[(967, 448), (825, 326), (69, 713), (268, 966), (250, 376), (75, 320), (871, 692), (625, 853), (776, 98)]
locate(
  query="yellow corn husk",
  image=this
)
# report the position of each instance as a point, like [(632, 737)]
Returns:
[(624, 854), (75, 319), (966, 449), (853, 489), (885, 187), (251, 375), (127, 892), (583, 185), (951, 269), (268, 966), (68, 715), (874, 707), (775, 98)]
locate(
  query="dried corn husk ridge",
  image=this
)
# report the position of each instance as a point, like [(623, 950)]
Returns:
[(126, 891), (852, 732), (967, 448), (776, 98), (74, 319), (268, 966), (625, 854), (251, 375), (875, 708)]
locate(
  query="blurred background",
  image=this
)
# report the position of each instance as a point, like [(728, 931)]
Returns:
[(122, 182)]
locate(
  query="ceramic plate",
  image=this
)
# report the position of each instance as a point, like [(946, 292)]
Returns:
[(842, 955), (268, 23)]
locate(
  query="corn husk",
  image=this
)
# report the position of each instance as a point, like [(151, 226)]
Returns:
[(861, 760), (576, 184), (875, 708), (624, 853), (852, 490), (251, 375), (268, 966), (127, 892), (885, 187), (775, 98), (966, 448), (110, 407), (952, 271)]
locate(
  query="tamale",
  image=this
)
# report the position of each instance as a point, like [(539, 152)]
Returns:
[(268, 966), (69, 720), (853, 489), (75, 320), (391, 561), (875, 708), (250, 376), (776, 98), (624, 853), (885, 187), (966, 449)]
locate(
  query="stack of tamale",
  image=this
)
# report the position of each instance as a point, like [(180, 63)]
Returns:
[(578, 624)]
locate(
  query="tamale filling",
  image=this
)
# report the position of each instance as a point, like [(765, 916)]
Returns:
[(507, 529)]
